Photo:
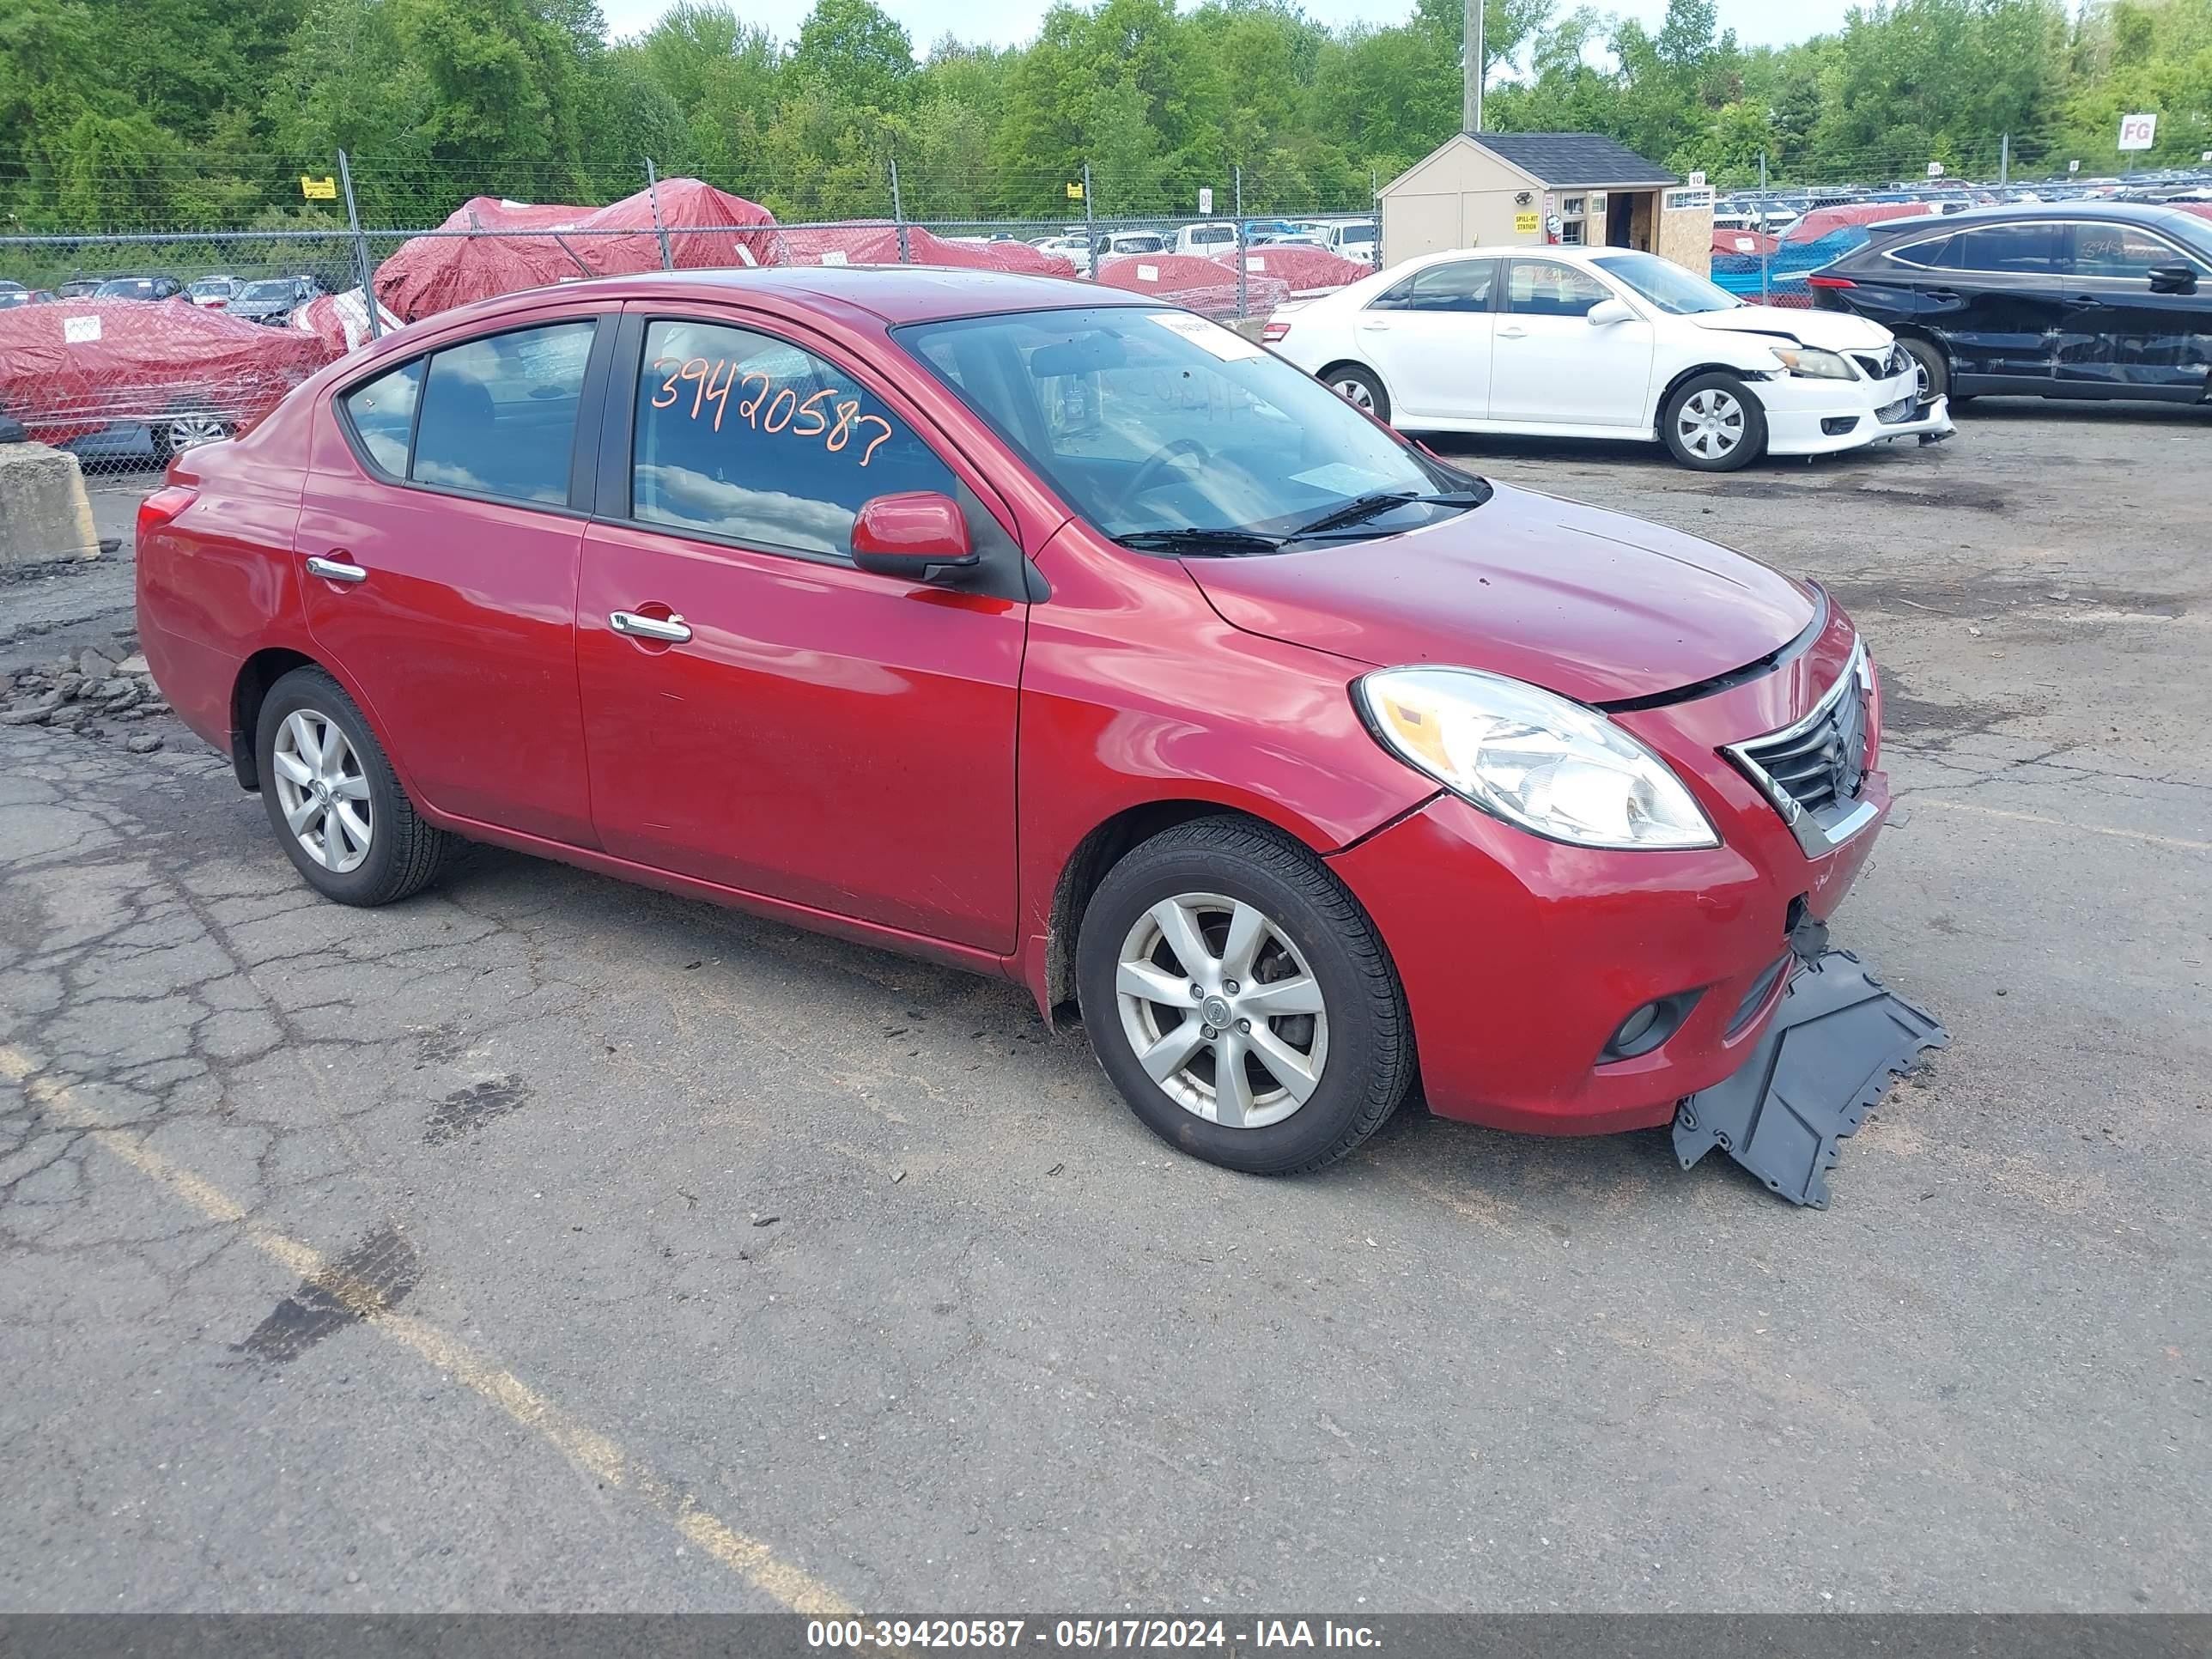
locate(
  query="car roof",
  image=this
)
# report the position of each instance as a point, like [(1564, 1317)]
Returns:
[(2124, 213)]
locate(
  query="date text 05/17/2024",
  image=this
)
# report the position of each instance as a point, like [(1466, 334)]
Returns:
[(1126, 1633)]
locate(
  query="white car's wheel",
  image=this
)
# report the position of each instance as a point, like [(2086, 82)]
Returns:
[(1713, 424), (1360, 387)]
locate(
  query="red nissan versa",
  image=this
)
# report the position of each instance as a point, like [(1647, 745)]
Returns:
[(1053, 635)]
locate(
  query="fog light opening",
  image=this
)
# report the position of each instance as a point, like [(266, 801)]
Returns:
[(1648, 1026)]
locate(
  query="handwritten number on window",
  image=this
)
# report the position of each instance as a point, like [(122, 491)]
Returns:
[(785, 410)]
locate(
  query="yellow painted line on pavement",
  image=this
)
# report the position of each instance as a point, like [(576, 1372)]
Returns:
[(2154, 840), (581, 1444)]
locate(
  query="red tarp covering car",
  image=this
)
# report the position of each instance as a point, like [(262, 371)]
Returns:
[(77, 366), (1308, 269), (1828, 220), (876, 242), (553, 244), (1185, 279), (1733, 242)]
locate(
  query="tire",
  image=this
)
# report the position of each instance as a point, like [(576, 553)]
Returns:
[(1734, 436), (1360, 387), (185, 428), (401, 855), (1352, 1052), (1935, 377)]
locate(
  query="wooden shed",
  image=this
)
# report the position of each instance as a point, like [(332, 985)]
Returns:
[(1580, 189)]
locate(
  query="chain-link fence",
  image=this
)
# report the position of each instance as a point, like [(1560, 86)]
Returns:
[(127, 346)]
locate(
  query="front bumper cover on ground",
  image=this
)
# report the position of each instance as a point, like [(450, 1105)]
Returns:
[(1836, 1040)]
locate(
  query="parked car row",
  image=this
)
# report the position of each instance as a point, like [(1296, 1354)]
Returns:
[(268, 299)]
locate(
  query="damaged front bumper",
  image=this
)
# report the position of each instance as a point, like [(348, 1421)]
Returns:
[(1836, 1040)]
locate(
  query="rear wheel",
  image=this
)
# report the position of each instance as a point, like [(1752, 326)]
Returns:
[(334, 800), (1932, 370), (1241, 1001), (1360, 387), (1713, 424)]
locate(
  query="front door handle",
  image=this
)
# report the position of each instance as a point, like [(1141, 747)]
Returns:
[(671, 630), (1512, 333), (2084, 300), (1375, 328), (335, 570)]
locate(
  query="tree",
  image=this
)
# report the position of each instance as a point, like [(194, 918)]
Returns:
[(851, 53)]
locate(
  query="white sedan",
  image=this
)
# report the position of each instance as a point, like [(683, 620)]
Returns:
[(1604, 343)]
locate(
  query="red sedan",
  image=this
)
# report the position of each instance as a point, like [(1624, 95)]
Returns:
[(1054, 634)]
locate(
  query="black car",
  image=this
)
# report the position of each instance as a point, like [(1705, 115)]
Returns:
[(2053, 299), (138, 288)]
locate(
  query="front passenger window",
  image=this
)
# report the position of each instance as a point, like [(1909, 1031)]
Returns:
[(1542, 287)]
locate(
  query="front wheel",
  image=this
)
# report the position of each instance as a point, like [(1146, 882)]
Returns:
[(1713, 424), (335, 802), (1241, 1000)]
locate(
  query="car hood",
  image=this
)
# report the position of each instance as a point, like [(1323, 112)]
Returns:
[(1830, 331), (1592, 605)]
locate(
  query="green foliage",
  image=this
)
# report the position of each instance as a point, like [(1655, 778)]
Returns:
[(190, 113)]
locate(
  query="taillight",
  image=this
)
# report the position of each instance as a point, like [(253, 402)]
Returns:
[(1274, 331), (1830, 281), (163, 505)]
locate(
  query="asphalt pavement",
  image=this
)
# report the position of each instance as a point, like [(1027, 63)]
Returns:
[(548, 1244)]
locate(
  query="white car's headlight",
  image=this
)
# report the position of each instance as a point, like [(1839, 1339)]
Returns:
[(1813, 362), (1536, 760)]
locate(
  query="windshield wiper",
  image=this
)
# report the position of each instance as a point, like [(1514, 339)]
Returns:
[(1198, 541), (1368, 506)]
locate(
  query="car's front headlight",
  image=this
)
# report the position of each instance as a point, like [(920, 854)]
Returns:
[(1534, 759), (1812, 361)]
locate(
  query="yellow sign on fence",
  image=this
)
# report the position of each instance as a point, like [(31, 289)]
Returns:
[(1075, 192), (319, 190), (1524, 224)]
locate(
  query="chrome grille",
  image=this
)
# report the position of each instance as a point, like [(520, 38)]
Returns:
[(1880, 366), (1812, 769)]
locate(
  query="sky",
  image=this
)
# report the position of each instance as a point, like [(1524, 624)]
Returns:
[(1008, 22)]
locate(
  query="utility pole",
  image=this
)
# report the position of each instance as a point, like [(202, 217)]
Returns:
[(1090, 227), (1764, 295), (2004, 160), (1471, 50)]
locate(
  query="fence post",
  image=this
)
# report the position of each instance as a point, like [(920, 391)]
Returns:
[(1089, 236), (1762, 228), (2005, 160), (653, 198), (1375, 211), (1244, 303), (898, 216), (360, 250)]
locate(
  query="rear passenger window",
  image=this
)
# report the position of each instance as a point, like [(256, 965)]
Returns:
[(1928, 254), (2120, 251), (383, 415), (2007, 250), (499, 415), (745, 435)]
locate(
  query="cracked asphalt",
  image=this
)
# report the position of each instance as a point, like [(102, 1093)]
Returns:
[(546, 1243)]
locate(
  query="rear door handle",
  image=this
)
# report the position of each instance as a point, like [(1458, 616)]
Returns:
[(1376, 328), (2084, 300), (672, 629), (335, 570), (1942, 295), (1512, 333)]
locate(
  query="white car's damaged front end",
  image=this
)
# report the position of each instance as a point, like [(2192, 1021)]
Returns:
[(1825, 389)]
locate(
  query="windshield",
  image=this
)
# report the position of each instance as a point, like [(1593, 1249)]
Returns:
[(1666, 284), (279, 289), (1152, 421), (125, 287)]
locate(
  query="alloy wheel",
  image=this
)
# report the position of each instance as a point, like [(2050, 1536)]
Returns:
[(1710, 425), (1222, 1011), (190, 431), (324, 792)]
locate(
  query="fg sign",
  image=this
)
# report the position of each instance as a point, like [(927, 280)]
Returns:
[(1206, 198), (2138, 132)]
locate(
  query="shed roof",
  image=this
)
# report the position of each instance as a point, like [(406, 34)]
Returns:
[(1574, 158)]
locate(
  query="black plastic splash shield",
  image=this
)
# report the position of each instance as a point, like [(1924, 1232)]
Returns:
[(1835, 1043)]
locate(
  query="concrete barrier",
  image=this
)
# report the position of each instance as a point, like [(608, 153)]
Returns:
[(44, 512)]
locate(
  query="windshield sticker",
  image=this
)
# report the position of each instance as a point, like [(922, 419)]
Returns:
[(1340, 476), (771, 408), (80, 330), (1224, 344)]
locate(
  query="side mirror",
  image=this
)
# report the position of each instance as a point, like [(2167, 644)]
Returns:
[(1606, 313), (2173, 279), (910, 534)]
